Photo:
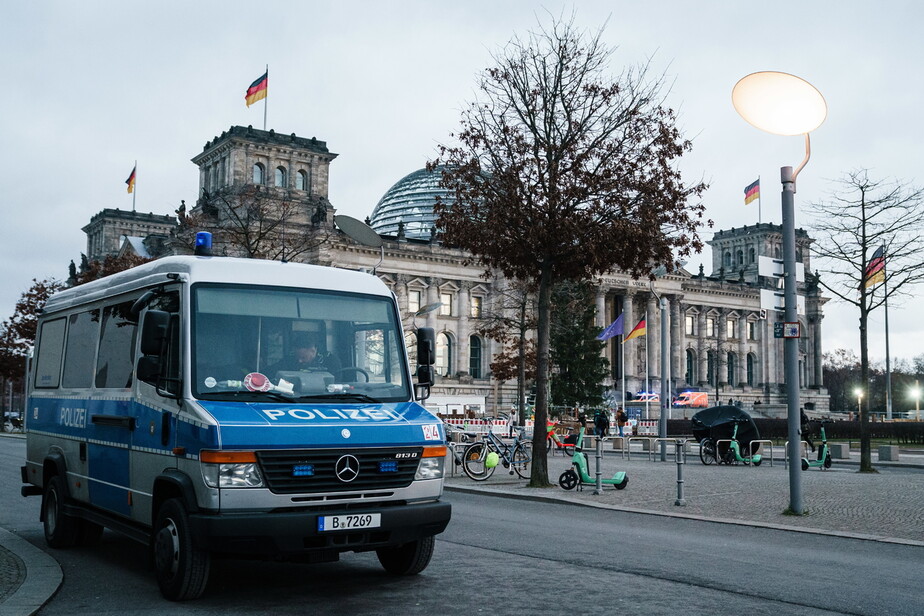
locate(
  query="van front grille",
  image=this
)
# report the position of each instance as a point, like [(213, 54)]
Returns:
[(315, 470)]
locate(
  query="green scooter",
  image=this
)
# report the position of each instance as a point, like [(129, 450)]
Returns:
[(824, 456), (733, 455), (579, 475)]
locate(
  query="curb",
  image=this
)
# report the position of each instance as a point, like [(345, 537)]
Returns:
[(43, 577), (549, 498)]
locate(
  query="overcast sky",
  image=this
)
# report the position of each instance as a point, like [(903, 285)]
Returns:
[(92, 86)]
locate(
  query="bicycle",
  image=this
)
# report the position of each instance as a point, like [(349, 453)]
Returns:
[(458, 447), (553, 443), (516, 456)]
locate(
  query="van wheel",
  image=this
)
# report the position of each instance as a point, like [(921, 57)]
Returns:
[(408, 559), (182, 569), (60, 528)]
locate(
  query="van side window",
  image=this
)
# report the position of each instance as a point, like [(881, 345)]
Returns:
[(80, 349), (50, 352), (169, 378), (116, 347)]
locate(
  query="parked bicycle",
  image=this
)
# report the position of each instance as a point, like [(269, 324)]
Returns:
[(554, 443), (458, 444), (480, 459)]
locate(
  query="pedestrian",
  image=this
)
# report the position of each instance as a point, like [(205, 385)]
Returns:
[(806, 428), (621, 419), (511, 422)]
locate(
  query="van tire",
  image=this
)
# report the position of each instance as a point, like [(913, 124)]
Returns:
[(181, 568), (61, 529), (408, 559)]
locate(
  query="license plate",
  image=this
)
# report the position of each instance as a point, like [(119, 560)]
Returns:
[(349, 522)]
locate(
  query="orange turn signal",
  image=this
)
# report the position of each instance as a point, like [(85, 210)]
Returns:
[(434, 452), (227, 457)]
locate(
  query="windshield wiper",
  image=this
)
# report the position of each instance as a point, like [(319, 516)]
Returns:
[(236, 395), (340, 396)]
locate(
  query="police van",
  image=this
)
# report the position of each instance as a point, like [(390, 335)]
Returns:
[(167, 403)]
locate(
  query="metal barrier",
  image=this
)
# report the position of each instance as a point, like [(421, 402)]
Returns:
[(666, 441), (451, 449)]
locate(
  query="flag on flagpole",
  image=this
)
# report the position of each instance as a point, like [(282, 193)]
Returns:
[(131, 180), (257, 90), (875, 270), (613, 329), (638, 330), (752, 191)]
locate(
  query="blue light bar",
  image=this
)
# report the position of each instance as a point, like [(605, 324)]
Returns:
[(390, 466), (303, 470)]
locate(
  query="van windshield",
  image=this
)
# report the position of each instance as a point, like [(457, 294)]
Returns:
[(253, 343)]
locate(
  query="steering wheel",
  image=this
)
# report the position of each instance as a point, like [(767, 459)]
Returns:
[(353, 371)]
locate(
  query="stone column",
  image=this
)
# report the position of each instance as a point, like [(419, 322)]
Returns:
[(701, 349), (722, 349), (678, 341), (464, 316), (653, 342), (433, 296), (627, 350), (743, 351)]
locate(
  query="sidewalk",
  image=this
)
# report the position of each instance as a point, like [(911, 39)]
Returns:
[(885, 506)]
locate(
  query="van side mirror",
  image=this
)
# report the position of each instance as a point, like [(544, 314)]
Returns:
[(148, 369), (154, 332), (426, 346)]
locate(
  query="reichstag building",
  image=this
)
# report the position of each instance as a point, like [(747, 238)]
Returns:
[(721, 340)]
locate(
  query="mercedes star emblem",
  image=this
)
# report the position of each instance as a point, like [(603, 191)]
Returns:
[(347, 468)]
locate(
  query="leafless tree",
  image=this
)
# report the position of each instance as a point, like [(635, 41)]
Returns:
[(563, 172), (857, 219)]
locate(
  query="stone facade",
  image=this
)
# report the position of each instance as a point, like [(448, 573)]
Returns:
[(721, 340)]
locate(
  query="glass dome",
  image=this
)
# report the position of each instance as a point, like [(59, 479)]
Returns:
[(410, 201)]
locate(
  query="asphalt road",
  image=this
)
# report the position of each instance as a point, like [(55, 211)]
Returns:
[(506, 556)]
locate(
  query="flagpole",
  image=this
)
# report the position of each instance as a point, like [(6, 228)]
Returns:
[(758, 200), (135, 185), (266, 98), (647, 382), (885, 291)]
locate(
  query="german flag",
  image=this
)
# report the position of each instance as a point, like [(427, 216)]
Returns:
[(257, 90), (875, 269), (131, 180), (638, 330)]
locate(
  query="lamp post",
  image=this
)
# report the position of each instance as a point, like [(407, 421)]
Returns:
[(784, 104), (916, 394)]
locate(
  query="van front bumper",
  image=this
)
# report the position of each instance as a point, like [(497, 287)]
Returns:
[(294, 533)]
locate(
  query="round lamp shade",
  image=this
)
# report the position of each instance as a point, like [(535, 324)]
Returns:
[(779, 103)]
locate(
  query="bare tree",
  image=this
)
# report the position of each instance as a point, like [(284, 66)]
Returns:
[(562, 172), (856, 221), (254, 223)]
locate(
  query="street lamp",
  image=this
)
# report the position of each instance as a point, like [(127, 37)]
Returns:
[(784, 104), (859, 394)]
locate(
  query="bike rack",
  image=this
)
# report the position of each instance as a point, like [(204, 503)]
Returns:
[(654, 443), (759, 443), (451, 451), (786, 452), (628, 444)]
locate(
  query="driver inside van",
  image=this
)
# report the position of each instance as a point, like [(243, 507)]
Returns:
[(305, 357)]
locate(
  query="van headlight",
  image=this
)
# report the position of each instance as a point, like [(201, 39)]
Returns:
[(431, 463), (232, 475), (230, 469)]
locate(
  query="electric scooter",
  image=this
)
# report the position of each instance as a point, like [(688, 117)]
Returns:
[(733, 453), (579, 474), (824, 456)]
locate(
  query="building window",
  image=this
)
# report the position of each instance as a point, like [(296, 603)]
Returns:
[(731, 328), (750, 255), (259, 174), (477, 303), (413, 301), (474, 361), (446, 304), (690, 376), (732, 365), (301, 180), (710, 368), (443, 354), (740, 257), (689, 326), (280, 177), (710, 327), (727, 260), (750, 364), (752, 330)]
